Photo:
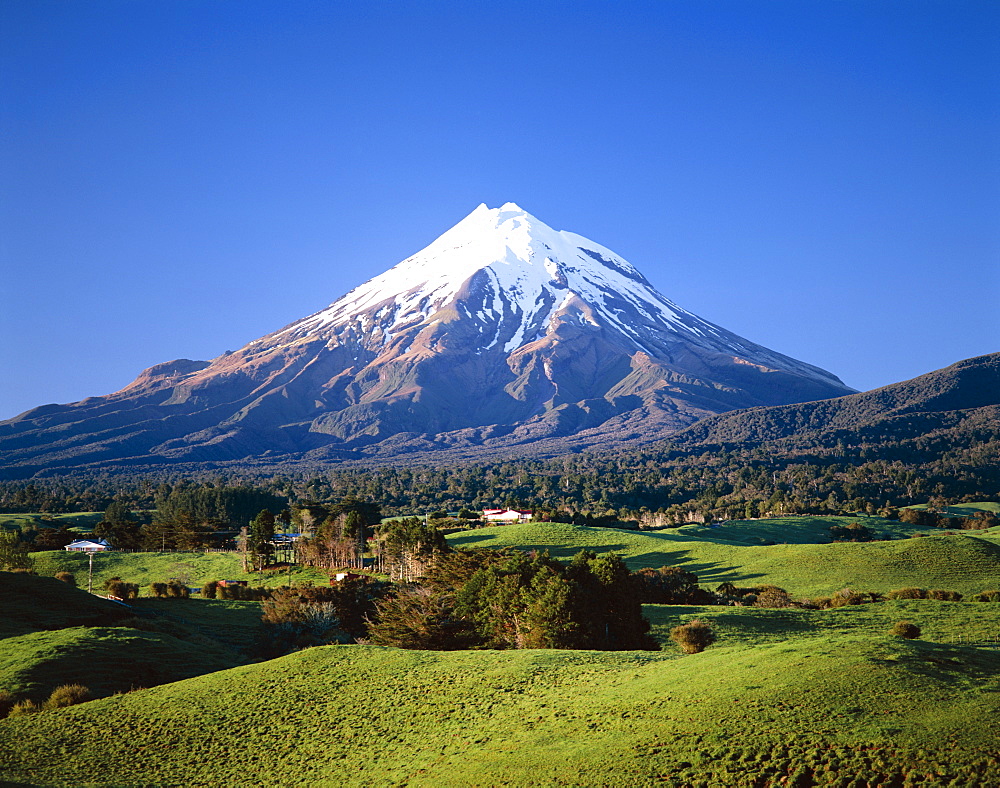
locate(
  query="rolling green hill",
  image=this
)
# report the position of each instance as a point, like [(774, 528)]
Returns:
[(53, 634), (145, 568), (961, 562), (105, 660), (810, 710), (35, 603)]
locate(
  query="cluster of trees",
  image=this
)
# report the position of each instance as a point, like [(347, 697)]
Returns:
[(484, 598), (296, 618), (931, 518), (340, 531)]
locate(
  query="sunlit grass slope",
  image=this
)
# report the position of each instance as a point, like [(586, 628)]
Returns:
[(956, 623), (960, 562), (146, 568), (817, 707), (53, 634), (81, 521), (105, 660), (793, 529)]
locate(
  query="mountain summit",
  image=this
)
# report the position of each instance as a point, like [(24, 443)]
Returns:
[(501, 336)]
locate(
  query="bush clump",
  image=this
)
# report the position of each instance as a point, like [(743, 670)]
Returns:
[(693, 637), (158, 589), (772, 596), (905, 629), (944, 595), (67, 695), (178, 590), (987, 596), (907, 593), (210, 589), (67, 577), (243, 593), (24, 707), (117, 588)]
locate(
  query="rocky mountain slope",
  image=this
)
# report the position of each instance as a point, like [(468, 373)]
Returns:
[(501, 334)]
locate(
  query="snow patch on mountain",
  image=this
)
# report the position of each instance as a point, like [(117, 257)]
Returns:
[(511, 275)]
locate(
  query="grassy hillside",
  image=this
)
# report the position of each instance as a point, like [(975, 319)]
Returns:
[(104, 659), (794, 529), (145, 568), (53, 634), (961, 561), (81, 521), (956, 623), (813, 708), (34, 603)]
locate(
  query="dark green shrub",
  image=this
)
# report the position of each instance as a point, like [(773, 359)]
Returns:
[(119, 589), (67, 695), (178, 590), (66, 577), (670, 585), (907, 593), (243, 593), (905, 629), (987, 596), (210, 589), (693, 637), (944, 596), (158, 589)]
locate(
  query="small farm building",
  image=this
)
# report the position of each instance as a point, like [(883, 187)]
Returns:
[(88, 546), (506, 515)]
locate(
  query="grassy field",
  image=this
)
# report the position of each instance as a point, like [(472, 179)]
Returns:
[(194, 569), (80, 521), (53, 634), (786, 697), (955, 623), (793, 529), (962, 562), (965, 509), (818, 709)]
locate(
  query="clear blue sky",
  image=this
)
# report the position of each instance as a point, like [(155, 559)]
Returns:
[(180, 177)]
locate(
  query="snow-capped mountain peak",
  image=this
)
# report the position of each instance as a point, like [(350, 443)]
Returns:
[(517, 280), (501, 333)]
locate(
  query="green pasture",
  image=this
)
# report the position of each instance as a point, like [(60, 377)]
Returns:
[(193, 569), (962, 562), (80, 521), (29, 604), (793, 529), (810, 710), (104, 659), (965, 509), (955, 623), (53, 634), (234, 624)]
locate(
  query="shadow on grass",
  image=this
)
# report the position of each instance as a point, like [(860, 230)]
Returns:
[(463, 541), (775, 622)]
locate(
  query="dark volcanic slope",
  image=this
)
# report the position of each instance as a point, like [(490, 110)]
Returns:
[(502, 336), (964, 395)]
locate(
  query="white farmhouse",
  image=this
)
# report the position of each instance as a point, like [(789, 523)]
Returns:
[(506, 515)]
